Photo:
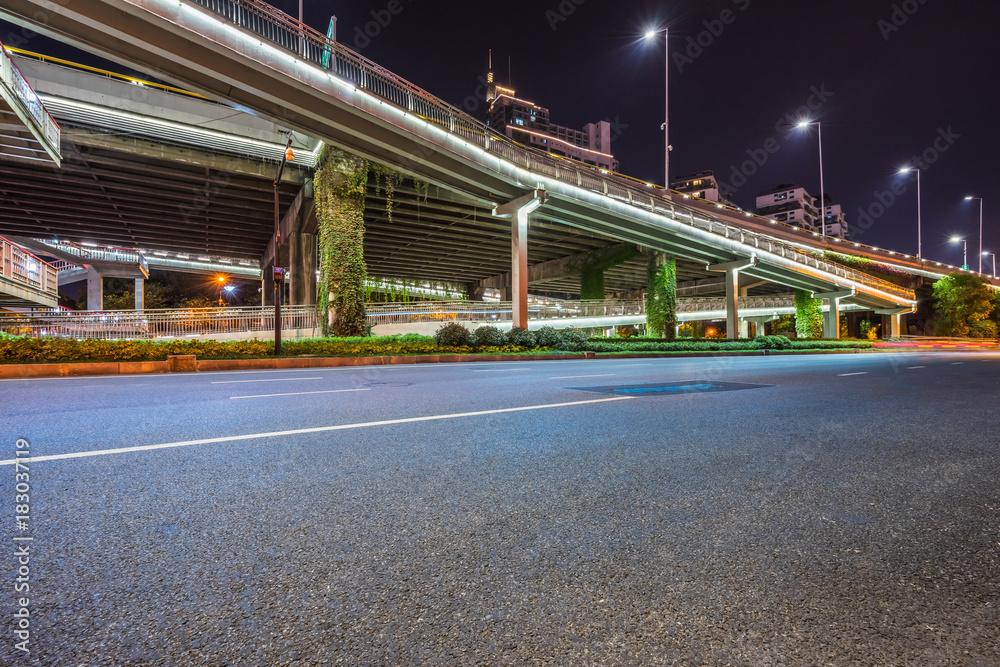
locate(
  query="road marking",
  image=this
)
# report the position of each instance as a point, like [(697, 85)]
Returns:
[(249, 381), (318, 429), (913, 368), (573, 377), (847, 375), (502, 370), (957, 363), (302, 393), (630, 365)]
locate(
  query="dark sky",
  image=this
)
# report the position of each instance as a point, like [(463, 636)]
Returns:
[(896, 77)]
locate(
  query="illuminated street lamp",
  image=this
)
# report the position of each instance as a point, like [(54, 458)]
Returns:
[(906, 170), (650, 35), (965, 252), (981, 253), (822, 191)]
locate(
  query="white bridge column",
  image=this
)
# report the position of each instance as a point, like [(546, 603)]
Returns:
[(95, 289), (140, 294), (732, 271), (895, 328), (831, 323), (519, 210)]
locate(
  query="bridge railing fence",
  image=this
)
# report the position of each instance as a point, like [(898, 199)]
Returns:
[(284, 31), (151, 324), (20, 265)]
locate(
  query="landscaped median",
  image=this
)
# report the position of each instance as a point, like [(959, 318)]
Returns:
[(23, 357)]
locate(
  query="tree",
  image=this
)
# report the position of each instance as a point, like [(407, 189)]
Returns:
[(963, 304)]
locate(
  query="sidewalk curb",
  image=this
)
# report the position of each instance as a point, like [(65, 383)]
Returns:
[(190, 364)]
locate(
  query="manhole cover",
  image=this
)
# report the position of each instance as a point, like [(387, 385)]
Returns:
[(668, 388)]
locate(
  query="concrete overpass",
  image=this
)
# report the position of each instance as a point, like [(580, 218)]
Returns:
[(251, 56)]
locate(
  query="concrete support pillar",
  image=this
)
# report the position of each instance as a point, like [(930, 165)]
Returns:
[(476, 292), (831, 321), (759, 321), (893, 321), (519, 210), (95, 290), (302, 268), (267, 285), (140, 294), (732, 271)]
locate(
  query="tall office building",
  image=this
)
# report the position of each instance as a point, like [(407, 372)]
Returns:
[(527, 123)]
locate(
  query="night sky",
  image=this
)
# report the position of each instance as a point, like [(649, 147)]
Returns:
[(888, 80)]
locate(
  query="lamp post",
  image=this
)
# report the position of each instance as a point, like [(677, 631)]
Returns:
[(222, 286), (822, 190), (278, 275), (651, 34), (965, 252), (981, 253), (994, 256), (907, 170)]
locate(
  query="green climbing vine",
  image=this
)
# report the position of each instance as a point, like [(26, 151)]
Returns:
[(661, 299), (808, 315), (341, 182)]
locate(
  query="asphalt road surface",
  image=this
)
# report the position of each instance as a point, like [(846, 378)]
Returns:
[(824, 510)]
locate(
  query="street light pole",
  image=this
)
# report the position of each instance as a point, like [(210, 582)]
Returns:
[(666, 106), (822, 187), (965, 252), (907, 170), (278, 273), (981, 253), (994, 256)]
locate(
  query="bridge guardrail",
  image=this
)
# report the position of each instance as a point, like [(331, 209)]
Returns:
[(20, 265), (284, 31), (11, 77), (150, 324)]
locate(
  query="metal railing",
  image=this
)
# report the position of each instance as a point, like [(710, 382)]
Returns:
[(287, 33), (12, 79), (150, 324), (118, 255), (20, 265), (480, 311), (715, 304)]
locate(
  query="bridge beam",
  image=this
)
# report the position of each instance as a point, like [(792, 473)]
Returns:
[(831, 322), (519, 210), (732, 271)]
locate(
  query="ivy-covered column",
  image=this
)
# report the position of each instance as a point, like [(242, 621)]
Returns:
[(341, 182), (592, 283), (661, 297), (808, 315)]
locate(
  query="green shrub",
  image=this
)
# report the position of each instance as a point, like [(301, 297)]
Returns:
[(488, 336), (453, 334), (520, 338), (775, 342), (571, 340), (546, 337)]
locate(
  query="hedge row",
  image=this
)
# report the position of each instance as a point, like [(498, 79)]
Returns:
[(55, 350)]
